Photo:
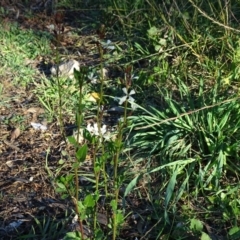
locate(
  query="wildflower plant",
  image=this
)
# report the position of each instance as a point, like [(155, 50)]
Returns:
[(106, 148)]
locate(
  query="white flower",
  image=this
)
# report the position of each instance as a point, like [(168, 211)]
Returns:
[(93, 129), (128, 97), (108, 45), (92, 78)]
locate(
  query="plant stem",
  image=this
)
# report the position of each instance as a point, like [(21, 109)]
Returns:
[(116, 159), (60, 118), (79, 124)]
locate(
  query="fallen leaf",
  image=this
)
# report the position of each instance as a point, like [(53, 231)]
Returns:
[(15, 134), (10, 164), (92, 97), (102, 218), (95, 95), (37, 110)]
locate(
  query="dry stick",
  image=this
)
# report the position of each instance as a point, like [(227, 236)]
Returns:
[(9, 144), (145, 235), (188, 113), (211, 19)]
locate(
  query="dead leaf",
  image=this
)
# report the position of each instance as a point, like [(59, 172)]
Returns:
[(92, 97), (15, 134), (102, 218), (95, 95), (37, 110), (10, 164)]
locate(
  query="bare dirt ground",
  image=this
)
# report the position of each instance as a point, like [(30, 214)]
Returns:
[(26, 189)]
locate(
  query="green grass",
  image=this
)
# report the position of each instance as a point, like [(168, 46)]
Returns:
[(18, 49), (178, 153)]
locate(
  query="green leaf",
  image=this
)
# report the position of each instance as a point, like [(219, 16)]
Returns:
[(170, 188), (205, 236), (157, 47), (64, 153), (61, 162), (196, 225), (132, 184), (153, 31), (75, 165), (120, 218), (87, 135), (77, 75), (98, 234), (180, 162), (234, 230), (89, 201), (113, 204), (73, 141), (163, 42), (82, 153), (61, 186), (72, 236)]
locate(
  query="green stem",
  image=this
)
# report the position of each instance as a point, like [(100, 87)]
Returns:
[(99, 118), (60, 118), (96, 174), (99, 144), (116, 160), (79, 124)]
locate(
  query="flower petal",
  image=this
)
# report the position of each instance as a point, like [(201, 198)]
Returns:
[(122, 100), (90, 128), (95, 129), (131, 99), (125, 90), (133, 106), (104, 129), (132, 92), (134, 77)]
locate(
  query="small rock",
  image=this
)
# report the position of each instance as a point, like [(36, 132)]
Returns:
[(66, 69)]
